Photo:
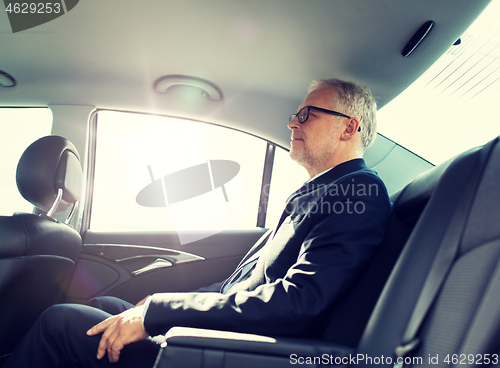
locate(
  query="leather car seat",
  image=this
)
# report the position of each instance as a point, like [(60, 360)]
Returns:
[(37, 252)]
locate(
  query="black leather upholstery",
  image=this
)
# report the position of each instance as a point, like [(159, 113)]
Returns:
[(465, 317), (37, 253), (25, 234), (48, 164)]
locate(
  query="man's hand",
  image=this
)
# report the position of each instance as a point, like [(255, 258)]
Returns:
[(118, 331), (142, 301)]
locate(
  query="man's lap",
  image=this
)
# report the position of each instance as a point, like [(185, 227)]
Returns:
[(110, 304), (59, 337)]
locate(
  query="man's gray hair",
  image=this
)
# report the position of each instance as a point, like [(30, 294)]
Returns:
[(354, 100)]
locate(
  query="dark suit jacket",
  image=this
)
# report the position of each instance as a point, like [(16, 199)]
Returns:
[(331, 228)]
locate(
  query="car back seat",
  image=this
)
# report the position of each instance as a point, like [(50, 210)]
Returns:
[(464, 319), (458, 322)]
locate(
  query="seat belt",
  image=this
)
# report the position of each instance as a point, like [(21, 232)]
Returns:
[(444, 259)]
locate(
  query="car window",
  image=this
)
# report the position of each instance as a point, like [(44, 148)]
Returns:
[(174, 174), (20, 127), (287, 177), (453, 105)]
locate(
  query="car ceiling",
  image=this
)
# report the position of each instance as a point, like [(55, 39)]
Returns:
[(261, 53)]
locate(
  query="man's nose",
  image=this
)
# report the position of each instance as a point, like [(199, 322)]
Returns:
[(294, 123)]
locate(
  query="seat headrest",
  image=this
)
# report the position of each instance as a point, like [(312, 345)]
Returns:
[(48, 164)]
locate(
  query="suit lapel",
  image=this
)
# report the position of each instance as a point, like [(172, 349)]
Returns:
[(254, 253)]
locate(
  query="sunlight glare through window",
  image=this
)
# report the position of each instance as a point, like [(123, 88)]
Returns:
[(174, 174), (20, 127), (453, 106)]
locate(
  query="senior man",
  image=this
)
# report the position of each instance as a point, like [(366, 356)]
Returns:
[(329, 230)]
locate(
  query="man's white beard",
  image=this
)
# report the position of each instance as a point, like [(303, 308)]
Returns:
[(310, 157)]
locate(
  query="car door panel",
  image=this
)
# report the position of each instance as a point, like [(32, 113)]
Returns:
[(134, 264)]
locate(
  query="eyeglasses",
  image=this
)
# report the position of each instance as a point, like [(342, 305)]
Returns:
[(303, 114)]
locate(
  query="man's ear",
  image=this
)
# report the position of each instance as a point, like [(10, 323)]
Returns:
[(351, 126)]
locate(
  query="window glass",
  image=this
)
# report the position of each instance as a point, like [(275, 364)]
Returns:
[(174, 174), (453, 106), (287, 177), (20, 127)]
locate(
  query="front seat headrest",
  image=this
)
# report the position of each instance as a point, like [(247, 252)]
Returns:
[(47, 165)]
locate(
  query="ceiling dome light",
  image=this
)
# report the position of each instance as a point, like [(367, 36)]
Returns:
[(208, 89), (6, 80)]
